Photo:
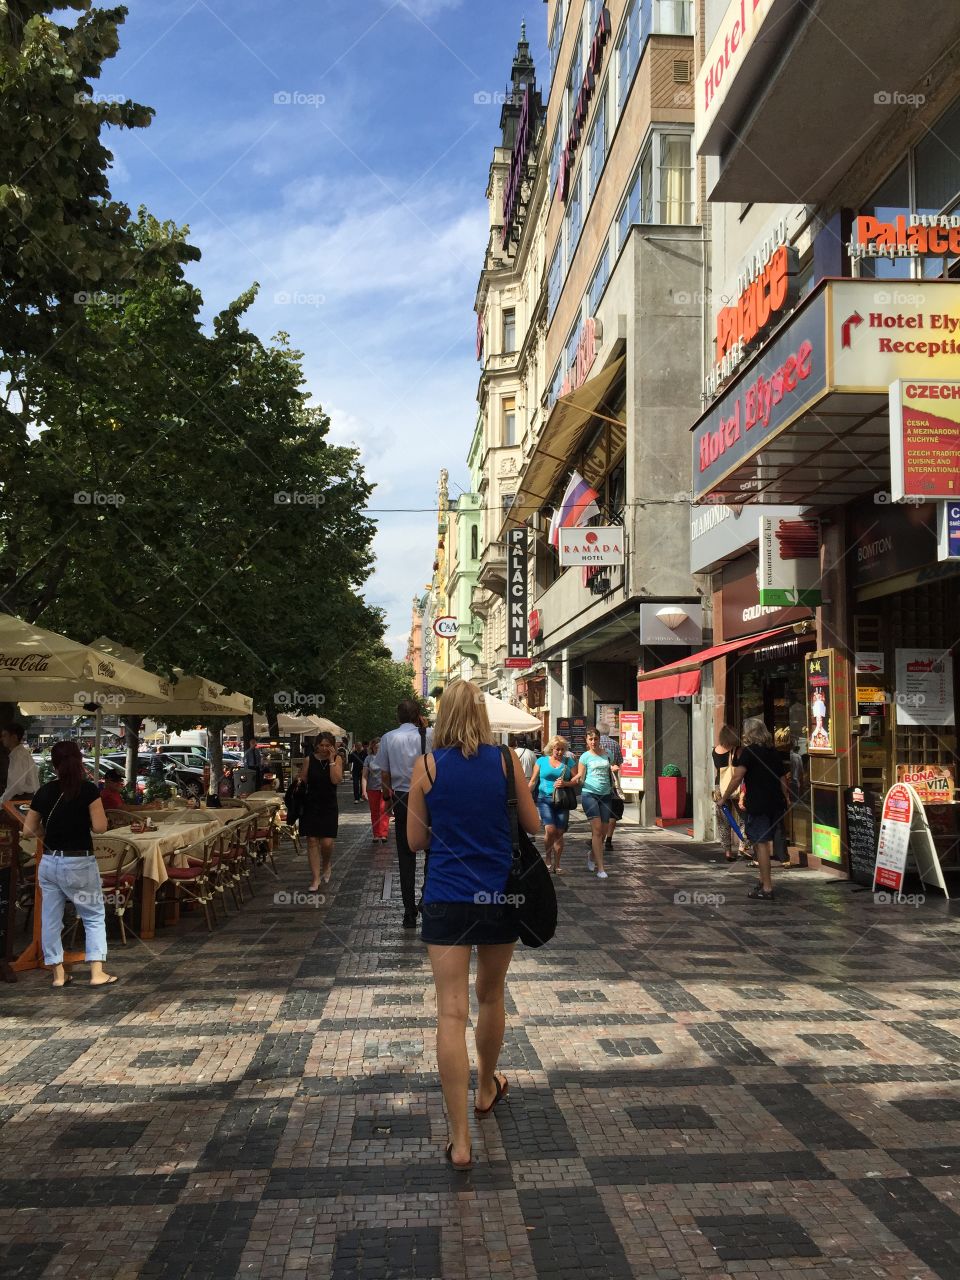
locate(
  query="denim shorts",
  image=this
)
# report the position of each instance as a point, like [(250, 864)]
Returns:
[(595, 806), (760, 827), (467, 924), (551, 816)]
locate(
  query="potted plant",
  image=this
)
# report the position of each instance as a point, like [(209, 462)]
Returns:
[(672, 793), (156, 791)]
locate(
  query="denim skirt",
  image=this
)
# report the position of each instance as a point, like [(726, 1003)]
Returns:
[(468, 924)]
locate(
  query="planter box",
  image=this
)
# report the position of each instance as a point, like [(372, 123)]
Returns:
[(672, 798)]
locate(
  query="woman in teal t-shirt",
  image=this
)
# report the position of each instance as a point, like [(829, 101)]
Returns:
[(596, 777), (552, 770)]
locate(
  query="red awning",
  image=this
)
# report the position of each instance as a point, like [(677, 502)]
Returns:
[(681, 679)]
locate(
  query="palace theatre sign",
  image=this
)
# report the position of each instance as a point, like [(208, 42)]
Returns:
[(807, 418)]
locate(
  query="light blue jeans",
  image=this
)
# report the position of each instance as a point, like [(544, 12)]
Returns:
[(75, 880)]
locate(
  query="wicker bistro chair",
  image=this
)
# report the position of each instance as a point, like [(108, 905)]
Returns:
[(266, 838), (119, 864), (231, 867), (197, 880)]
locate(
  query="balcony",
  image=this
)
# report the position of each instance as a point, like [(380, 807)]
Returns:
[(791, 101), (493, 569)]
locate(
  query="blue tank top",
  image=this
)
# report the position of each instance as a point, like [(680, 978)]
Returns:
[(470, 849)]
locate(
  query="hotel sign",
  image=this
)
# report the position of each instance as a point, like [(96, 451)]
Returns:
[(595, 545), (724, 60)]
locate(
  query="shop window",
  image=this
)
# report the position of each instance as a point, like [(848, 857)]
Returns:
[(599, 281), (509, 421), (509, 331), (628, 52), (598, 143)]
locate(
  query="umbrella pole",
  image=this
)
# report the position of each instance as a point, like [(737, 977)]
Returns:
[(96, 745)]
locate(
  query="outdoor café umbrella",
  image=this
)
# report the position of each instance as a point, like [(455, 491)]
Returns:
[(187, 695), (287, 724), (506, 718), (40, 667)]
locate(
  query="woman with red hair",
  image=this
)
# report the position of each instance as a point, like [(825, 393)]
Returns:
[(68, 811)]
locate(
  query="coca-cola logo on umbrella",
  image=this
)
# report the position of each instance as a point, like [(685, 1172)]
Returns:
[(24, 661)]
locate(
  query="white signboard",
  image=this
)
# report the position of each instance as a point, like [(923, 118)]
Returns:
[(787, 583), (597, 544), (881, 334), (904, 830), (869, 663), (924, 688), (446, 627)]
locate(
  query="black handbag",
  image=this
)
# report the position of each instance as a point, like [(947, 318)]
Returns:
[(529, 885), (564, 798), (294, 801), (616, 806)]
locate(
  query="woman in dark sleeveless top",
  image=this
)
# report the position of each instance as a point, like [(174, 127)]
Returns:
[(322, 772)]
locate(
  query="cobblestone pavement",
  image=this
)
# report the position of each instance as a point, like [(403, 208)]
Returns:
[(701, 1086)]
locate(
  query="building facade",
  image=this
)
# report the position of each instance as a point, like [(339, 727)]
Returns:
[(833, 303), (622, 361)]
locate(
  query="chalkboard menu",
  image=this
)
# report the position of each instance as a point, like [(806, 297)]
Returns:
[(574, 729), (861, 826)]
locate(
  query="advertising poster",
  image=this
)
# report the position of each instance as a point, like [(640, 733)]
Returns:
[(933, 783), (924, 687), (820, 691), (948, 531), (924, 439), (607, 715), (631, 744), (825, 843), (574, 729), (894, 842)]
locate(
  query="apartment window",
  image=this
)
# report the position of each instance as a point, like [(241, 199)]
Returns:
[(890, 198), (555, 153), (573, 341), (595, 8), (556, 35), (509, 420), (574, 214), (555, 279), (676, 179), (556, 382), (598, 142), (509, 331), (661, 190), (673, 17), (628, 52), (599, 281), (575, 78), (474, 542)]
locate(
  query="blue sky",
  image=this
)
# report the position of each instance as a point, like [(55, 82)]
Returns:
[(335, 153)]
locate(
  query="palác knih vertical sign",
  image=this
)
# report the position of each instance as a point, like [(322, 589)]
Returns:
[(517, 652)]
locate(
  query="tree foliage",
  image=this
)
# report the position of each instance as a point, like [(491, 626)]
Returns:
[(162, 481)]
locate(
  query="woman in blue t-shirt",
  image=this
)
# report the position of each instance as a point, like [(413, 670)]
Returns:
[(595, 775), (552, 770), (458, 807)]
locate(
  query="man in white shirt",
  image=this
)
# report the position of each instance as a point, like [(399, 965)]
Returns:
[(22, 776), (527, 757), (398, 753)]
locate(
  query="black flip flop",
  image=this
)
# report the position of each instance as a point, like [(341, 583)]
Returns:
[(58, 986), (110, 982), (460, 1168), (502, 1092)]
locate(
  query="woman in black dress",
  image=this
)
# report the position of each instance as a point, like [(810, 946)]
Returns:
[(322, 772)]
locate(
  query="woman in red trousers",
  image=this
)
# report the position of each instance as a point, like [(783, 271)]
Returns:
[(372, 790)]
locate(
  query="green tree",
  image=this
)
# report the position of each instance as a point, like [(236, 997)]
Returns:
[(373, 684)]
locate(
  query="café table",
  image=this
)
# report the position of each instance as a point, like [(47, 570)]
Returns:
[(154, 847)]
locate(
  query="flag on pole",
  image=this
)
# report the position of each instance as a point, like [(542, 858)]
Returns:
[(579, 504), (553, 533)]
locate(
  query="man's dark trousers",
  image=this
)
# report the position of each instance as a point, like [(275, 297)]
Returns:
[(407, 860)]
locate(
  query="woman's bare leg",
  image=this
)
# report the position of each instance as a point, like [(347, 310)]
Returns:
[(597, 827), (313, 856), (492, 965), (326, 853), (451, 974)]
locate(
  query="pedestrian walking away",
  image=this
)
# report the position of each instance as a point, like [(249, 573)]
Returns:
[(763, 772), (552, 771), (68, 813), (355, 761), (372, 787), (322, 773), (725, 755), (398, 753), (527, 757), (457, 806), (595, 777)]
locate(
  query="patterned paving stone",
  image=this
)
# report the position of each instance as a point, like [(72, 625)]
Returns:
[(770, 1095)]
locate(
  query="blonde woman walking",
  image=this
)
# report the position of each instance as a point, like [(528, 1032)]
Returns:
[(762, 770), (552, 771), (457, 807)]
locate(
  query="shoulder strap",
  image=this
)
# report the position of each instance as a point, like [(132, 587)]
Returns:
[(426, 769), (507, 756), (423, 741)]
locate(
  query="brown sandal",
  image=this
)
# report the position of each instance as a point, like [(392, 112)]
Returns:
[(502, 1091)]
